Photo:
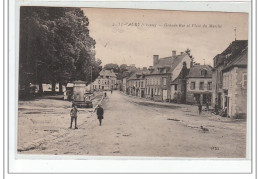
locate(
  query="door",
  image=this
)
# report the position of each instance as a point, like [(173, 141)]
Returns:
[(142, 93), (164, 94)]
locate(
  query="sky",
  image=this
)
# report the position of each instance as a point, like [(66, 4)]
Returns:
[(127, 36)]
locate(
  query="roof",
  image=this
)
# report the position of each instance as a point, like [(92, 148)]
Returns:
[(239, 61), (234, 49), (170, 63), (138, 75), (107, 73), (195, 71)]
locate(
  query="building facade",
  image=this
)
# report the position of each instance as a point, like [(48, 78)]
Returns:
[(163, 72), (229, 78), (199, 85), (136, 83), (105, 81), (235, 87)]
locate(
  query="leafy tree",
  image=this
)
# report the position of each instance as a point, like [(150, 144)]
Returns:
[(112, 66), (123, 68), (55, 46)]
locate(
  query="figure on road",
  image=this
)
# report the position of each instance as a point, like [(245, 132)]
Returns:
[(74, 114), (111, 91), (200, 108), (100, 113), (105, 94)]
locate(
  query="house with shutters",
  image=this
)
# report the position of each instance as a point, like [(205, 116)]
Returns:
[(199, 84), (136, 83), (106, 80), (229, 79), (161, 75)]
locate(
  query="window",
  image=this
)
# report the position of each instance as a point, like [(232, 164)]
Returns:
[(164, 81), (192, 85), (203, 72), (210, 85), (244, 80), (175, 87), (142, 84), (201, 85)]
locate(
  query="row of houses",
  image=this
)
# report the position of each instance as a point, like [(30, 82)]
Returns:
[(178, 79), (175, 78)]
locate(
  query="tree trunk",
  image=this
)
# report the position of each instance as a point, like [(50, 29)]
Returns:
[(27, 90), (40, 87), (60, 87), (53, 86)]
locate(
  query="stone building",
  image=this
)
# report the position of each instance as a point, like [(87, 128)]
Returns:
[(105, 81), (162, 73), (199, 84), (235, 86), (233, 63), (136, 83)]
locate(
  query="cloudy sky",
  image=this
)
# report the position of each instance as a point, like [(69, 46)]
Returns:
[(134, 36)]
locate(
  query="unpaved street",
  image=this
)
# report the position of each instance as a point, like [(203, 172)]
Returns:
[(131, 127)]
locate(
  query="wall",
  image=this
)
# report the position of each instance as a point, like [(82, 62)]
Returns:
[(237, 94), (190, 93), (217, 85), (153, 82), (178, 69)]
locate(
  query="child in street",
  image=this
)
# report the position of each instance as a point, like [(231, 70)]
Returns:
[(74, 114)]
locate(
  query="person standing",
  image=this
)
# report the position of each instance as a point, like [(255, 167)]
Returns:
[(200, 108), (100, 113), (74, 114)]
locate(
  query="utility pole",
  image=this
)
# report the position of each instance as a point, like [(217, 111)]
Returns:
[(90, 78), (235, 33)]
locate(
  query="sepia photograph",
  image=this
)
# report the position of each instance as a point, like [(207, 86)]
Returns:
[(132, 82)]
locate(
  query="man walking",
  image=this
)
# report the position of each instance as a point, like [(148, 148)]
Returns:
[(74, 114), (100, 113)]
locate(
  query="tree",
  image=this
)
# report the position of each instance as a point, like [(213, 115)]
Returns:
[(123, 68), (55, 46), (112, 66)]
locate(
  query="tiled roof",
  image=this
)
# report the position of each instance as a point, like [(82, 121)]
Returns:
[(138, 74), (240, 60), (170, 63), (107, 73), (230, 53), (195, 71)]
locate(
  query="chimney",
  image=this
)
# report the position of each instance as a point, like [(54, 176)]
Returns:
[(144, 68), (155, 59), (174, 53), (182, 53)]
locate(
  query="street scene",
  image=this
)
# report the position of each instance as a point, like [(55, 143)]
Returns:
[(131, 127), (145, 87)]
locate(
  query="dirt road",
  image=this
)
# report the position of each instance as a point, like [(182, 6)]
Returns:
[(131, 127)]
